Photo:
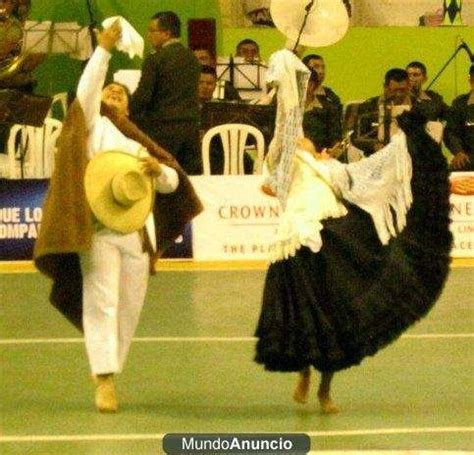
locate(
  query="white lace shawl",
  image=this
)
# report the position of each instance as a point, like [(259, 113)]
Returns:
[(290, 76), (380, 185)]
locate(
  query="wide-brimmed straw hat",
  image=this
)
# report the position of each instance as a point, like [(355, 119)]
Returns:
[(119, 193)]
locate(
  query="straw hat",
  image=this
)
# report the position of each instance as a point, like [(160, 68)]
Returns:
[(119, 193)]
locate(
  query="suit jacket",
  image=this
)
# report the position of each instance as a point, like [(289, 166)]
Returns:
[(167, 91), (459, 132), (432, 106), (365, 132)]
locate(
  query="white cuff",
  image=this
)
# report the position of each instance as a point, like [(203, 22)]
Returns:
[(168, 180)]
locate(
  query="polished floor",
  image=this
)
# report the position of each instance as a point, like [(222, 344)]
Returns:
[(190, 369)]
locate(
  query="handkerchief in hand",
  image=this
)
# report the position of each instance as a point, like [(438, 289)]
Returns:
[(130, 42)]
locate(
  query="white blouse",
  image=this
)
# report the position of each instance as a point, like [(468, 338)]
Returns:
[(104, 135)]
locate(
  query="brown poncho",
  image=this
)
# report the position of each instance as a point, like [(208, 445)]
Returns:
[(67, 229)]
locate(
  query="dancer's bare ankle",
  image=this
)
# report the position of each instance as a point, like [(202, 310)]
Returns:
[(325, 402), (301, 392)]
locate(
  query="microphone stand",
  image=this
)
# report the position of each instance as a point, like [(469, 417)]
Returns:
[(462, 46), (231, 70), (308, 10), (92, 23)]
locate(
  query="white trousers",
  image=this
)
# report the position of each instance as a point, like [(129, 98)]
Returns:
[(115, 277)]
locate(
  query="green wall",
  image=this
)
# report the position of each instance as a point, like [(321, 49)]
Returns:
[(60, 73), (355, 65)]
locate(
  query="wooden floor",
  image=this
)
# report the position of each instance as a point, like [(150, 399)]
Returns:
[(190, 369)]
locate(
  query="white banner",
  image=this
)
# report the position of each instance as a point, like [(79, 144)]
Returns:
[(462, 214), (238, 222)]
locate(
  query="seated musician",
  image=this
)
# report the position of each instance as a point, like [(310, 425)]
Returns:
[(206, 88), (375, 119)]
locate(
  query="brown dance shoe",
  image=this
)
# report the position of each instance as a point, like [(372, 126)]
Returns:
[(105, 396)]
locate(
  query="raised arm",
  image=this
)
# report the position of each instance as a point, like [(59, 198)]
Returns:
[(89, 90)]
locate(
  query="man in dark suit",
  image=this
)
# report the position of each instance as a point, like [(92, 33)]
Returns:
[(426, 102), (459, 132), (322, 120), (165, 104), (375, 118)]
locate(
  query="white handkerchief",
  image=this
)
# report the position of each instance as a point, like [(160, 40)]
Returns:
[(130, 42)]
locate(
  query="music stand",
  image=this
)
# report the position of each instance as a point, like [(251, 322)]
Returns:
[(57, 38), (244, 76), (24, 109)]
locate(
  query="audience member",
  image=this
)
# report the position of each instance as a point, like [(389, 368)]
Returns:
[(375, 118), (426, 102), (165, 104), (323, 110), (459, 132)]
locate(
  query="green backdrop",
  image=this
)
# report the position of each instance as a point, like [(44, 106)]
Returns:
[(355, 65), (60, 73)]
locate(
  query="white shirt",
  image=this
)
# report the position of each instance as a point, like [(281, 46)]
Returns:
[(104, 135)]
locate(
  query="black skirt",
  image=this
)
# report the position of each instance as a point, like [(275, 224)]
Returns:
[(333, 308)]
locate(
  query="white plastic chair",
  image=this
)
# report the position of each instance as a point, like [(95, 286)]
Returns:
[(37, 145), (234, 141)]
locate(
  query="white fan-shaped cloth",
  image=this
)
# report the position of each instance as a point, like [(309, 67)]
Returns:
[(130, 42)]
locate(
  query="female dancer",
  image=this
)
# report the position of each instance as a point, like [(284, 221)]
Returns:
[(362, 250)]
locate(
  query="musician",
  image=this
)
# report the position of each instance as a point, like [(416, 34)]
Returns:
[(12, 15), (375, 119), (249, 50), (206, 88), (223, 90), (459, 133), (428, 102), (322, 120)]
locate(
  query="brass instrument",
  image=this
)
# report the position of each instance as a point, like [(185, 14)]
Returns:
[(12, 56)]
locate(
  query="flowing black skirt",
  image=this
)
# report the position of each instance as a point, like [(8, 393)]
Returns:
[(333, 308)]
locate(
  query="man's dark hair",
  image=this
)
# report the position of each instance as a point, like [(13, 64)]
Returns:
[(395, 74), (309, 57), (471, 71), (169, 21), (248, 41), (206, 69), (418, 65)]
